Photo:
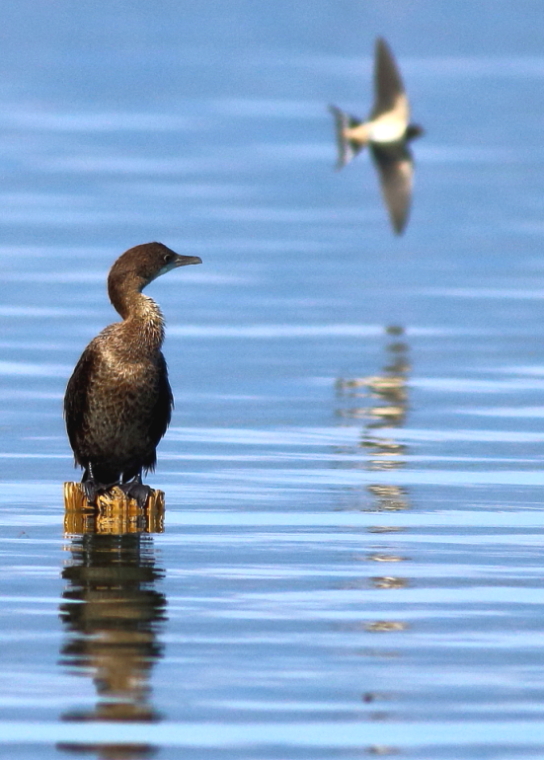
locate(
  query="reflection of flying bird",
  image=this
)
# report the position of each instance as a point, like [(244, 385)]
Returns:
[(387, 133)]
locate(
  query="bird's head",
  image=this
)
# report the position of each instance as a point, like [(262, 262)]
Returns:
[(413, 131), (144, 263), (139, 266)]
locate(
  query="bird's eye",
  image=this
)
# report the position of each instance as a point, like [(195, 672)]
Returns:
[(166, 258)]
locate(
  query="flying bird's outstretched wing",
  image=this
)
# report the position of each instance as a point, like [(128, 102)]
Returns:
[(395, 170), (389, 94)]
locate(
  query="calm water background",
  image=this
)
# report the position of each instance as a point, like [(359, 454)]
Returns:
[(346, 568)]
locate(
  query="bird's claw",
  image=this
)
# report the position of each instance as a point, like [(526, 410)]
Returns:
[(136, 490), (93, 489)]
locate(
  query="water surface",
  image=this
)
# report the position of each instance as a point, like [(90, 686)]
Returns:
[(352, 547)]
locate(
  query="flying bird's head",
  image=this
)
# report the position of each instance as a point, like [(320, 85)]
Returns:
[(413, 131)]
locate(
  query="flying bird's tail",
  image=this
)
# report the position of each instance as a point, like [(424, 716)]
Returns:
[(348, 141)]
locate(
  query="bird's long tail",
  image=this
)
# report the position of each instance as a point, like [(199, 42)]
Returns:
[(347, 148)]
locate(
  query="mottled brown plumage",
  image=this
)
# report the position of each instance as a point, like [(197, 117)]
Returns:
[(118, 401)]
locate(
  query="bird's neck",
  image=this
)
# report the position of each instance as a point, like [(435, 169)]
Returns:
[(142, 317), (148, 320)]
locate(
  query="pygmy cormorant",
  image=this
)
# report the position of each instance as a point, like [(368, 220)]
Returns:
[(118, 402), (387, 132)]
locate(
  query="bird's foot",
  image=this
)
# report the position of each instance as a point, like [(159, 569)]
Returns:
[(92, 489), (137, 490)]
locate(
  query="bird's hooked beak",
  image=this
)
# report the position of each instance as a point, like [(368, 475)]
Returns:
[(182, 261), (177, 261)]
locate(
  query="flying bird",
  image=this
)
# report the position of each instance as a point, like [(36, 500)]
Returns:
[(118, 401), (387, 133)]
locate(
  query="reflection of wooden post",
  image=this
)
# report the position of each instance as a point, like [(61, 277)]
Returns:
[(115, 512)]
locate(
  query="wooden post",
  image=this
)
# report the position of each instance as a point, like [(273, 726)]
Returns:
[(114, 512)]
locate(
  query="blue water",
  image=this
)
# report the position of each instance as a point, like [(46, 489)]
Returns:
[(351, 562)]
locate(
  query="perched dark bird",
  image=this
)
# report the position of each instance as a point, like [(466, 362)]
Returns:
[(387, 133), (118, 402)]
